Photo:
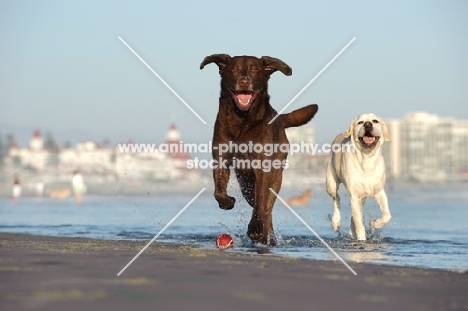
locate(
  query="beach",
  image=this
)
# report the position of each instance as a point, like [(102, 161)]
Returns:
[(56, 273)]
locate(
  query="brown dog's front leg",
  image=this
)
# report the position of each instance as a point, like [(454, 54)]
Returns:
[(221, 179), (260, 228)]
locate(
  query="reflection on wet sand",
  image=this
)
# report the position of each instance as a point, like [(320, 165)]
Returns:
[(360, 252), (363, 257)]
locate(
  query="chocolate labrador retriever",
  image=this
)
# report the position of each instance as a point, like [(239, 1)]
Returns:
[(244, 140)]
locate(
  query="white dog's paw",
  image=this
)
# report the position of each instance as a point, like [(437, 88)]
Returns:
[(374, 224), (357, 233), (362, 237), (379, 223), (357, 236), (336, 224)]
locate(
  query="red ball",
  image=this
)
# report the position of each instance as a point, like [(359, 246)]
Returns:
[(224, 241)]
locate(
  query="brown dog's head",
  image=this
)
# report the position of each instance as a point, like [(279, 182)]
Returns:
[(244, 78)]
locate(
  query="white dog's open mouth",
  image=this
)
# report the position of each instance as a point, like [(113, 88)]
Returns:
[(244, 99), (369, 141)]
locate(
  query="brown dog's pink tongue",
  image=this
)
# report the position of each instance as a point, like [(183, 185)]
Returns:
[(244, 99), (368, 140)]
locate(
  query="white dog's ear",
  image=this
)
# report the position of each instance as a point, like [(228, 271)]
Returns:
[(385, 131), (350, 131)]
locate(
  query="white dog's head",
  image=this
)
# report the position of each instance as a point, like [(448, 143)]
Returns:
[(368, 131)]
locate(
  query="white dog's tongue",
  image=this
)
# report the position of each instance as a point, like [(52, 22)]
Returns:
[(244, 99), (368, 140)]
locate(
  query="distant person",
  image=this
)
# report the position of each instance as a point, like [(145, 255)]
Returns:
[(16, 190), (78, 186), (39, 189)]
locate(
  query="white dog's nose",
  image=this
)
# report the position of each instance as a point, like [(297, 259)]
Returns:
[(367, 125)]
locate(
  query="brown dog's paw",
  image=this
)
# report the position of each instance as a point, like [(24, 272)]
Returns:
[(268, 239), (256, 234), (271, 239), (226, 202), (255, 230)]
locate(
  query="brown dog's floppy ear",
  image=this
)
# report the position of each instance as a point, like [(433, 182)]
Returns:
[(385, 131), (220, 59), (272, 64)]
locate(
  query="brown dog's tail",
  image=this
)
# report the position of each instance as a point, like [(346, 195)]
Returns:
[(300, 116)]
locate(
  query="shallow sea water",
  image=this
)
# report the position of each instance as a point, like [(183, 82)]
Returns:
[(429, 227)]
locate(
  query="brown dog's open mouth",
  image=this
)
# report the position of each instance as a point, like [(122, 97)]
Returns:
[(368, 140), (244, 99)]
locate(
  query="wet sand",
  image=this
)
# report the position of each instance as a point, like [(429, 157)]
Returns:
[(49, 273)]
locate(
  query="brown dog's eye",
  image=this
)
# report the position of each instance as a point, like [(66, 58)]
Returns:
[(235, 69), (360, 122), (255, 69), (375, 121)]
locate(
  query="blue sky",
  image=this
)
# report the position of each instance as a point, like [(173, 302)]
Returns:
[(63, 69)]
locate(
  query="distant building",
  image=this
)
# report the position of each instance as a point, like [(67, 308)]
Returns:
[(427, 148), (300, 136), (36, 142), (144, 165), (35, 157), (176, 149), (392, 150), (157, 165), (91, 157), (88, 156)]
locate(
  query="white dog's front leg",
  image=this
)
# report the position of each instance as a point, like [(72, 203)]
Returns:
[(382, 201), (357, 230), (336, 218)]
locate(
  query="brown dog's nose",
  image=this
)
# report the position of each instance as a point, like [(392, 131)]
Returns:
[(244, 82), (367, 125)]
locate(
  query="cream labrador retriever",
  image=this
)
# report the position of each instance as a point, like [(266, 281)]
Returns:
[(359, 165)]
